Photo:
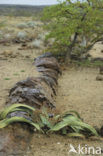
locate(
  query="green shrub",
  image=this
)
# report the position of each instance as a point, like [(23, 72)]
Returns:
[(69, 22)]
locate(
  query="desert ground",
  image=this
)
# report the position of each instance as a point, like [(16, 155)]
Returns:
[(77, 87)]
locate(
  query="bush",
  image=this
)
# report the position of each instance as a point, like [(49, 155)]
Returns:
[(36, 44), (31, 24), (80, 19), (22, 26), (21, 35)]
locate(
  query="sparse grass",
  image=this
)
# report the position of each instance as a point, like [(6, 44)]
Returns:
[(16, 74), (7, 78), (22, 71), (2, 24), (88, 63)]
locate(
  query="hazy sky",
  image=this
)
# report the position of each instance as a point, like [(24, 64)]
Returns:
[(30, 2)]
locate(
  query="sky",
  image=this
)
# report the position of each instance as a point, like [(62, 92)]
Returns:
[(29, 2)]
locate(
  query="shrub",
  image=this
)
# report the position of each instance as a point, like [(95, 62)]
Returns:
[(70, 22)]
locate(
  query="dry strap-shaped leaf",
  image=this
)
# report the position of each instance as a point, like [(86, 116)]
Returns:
[(15, 107), (73, 112), (73, 121), (77, 135), (7, 121)]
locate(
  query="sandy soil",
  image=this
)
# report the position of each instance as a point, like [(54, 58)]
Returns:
[(14, 68), (97, 50)]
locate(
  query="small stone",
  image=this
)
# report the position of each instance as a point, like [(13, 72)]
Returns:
[(99, 78), (101, 131), (101, 70), (27, 56)]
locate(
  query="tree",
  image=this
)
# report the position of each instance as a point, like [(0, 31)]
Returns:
[(72, 22)]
